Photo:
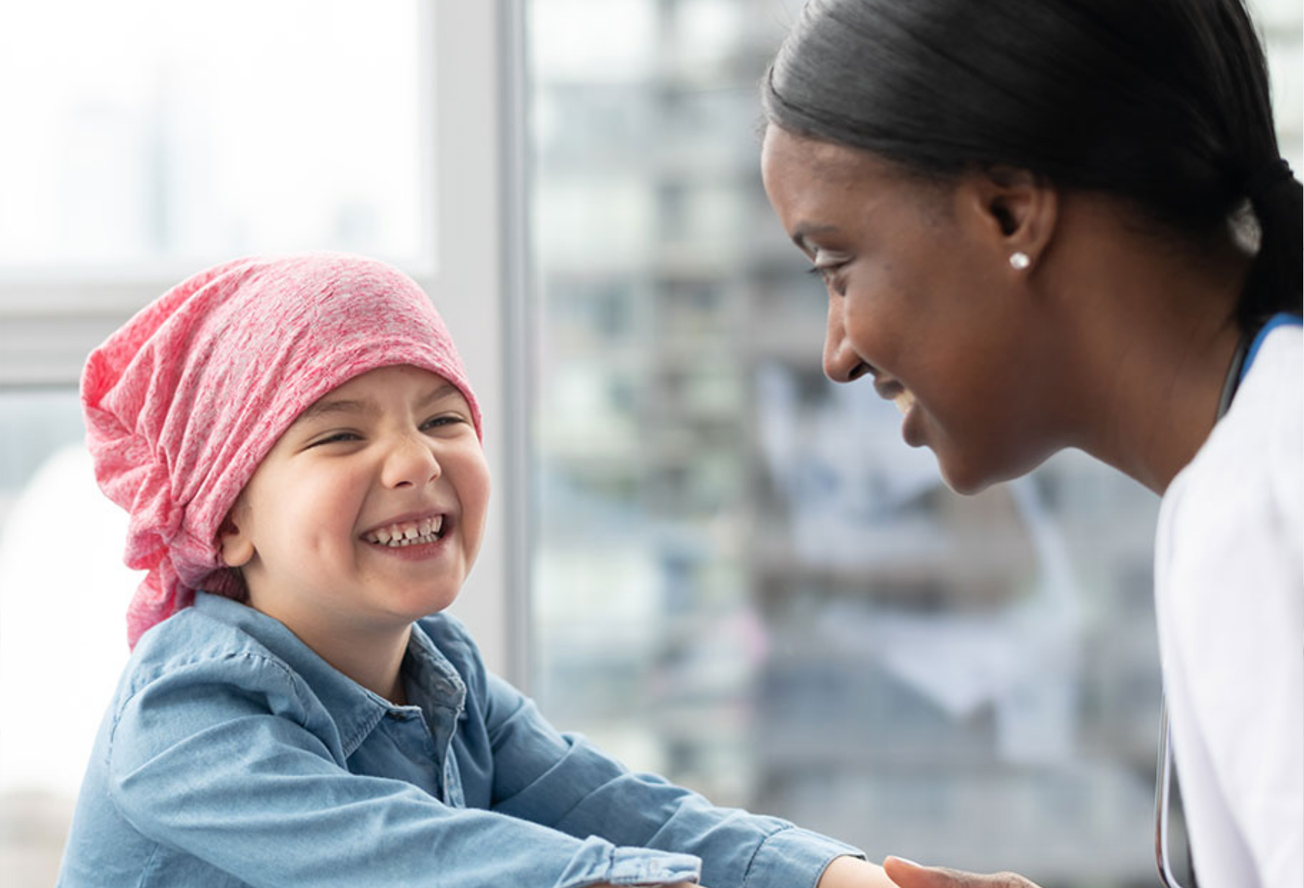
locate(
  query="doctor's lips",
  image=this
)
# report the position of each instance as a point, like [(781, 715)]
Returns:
[(409, 531)]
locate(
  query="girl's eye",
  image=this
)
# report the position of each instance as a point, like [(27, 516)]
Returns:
[(447, 419), (336, 438)]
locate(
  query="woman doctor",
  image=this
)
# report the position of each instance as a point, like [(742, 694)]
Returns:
[(1066, 223)]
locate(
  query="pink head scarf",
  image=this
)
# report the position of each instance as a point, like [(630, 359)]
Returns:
[(184, 401)]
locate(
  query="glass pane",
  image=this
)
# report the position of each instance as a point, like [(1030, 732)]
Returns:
[(63, 599), (181, 133), (743, 579)]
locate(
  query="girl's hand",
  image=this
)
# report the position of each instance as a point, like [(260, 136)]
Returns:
[(908, 874), (852, 872)]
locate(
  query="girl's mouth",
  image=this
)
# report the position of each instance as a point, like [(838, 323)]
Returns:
[(408, 533)]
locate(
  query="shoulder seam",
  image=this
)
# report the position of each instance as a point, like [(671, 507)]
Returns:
[(294, 680)]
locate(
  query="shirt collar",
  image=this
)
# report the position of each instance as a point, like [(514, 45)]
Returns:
[(432, 681), (1281, 319)]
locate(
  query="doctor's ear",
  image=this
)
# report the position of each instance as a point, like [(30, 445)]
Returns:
[(1013, 209), (236, 546)]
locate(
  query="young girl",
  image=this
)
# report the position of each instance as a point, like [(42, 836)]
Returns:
[(299, 450), (1067, 223)]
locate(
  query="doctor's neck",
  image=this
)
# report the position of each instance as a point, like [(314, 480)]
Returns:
[(1157, 330)]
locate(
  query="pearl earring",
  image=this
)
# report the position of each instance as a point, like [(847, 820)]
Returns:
[(1019, 261)]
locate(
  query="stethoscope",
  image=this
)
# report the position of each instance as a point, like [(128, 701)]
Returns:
[(1246, 350), (1163, 784)]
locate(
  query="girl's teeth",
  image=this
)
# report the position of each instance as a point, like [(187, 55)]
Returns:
[(904, 401), (428, 531)]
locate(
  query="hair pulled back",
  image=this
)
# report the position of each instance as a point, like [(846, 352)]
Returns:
[(1161, 102)]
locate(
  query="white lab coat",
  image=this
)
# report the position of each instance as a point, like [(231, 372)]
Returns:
[(1229, 587)]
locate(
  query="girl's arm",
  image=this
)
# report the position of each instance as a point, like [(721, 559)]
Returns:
[(565, 782), (203, 768)]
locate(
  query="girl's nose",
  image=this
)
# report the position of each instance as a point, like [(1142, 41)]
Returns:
[(410, 462), (841, 363)]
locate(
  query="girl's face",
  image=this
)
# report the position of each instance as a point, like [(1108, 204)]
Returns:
[(368, 512), (922, 300)]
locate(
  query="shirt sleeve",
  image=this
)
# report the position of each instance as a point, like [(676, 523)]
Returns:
[(222, 761), (565, 782)]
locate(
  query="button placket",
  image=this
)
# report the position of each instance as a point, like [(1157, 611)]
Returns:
[(452, 781), (411, 733)]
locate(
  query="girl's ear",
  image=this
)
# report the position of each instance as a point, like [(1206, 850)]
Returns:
[(237, 547)]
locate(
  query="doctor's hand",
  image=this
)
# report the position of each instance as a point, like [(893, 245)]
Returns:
[(907, 874)]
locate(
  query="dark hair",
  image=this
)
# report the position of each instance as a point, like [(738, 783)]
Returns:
[(1161, 102)]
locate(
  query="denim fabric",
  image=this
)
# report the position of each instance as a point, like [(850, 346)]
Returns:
[(234, 755)]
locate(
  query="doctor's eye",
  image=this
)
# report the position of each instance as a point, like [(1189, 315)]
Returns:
[(828, 273)]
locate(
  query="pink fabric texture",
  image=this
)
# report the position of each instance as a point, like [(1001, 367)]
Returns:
[(184, 401)]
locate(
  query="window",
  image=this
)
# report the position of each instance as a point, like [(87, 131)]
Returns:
[(145, 141), (188, 133), (166, 137)]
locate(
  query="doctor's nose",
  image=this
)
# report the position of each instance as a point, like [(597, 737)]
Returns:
[(841, 363), (410, 461)]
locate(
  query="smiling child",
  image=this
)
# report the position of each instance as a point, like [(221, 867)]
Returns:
[(299, 450)]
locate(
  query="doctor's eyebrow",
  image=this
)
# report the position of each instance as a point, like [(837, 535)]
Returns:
[(806, 230)]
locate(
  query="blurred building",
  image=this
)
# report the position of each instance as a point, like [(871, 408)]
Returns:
[(744, 578)]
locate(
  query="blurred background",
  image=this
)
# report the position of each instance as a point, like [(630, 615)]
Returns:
[(703, 555)]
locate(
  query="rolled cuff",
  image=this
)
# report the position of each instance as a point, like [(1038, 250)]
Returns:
[(794, 858), (599, 861)]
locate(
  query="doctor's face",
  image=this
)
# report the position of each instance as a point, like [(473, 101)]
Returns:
[(918, 303)]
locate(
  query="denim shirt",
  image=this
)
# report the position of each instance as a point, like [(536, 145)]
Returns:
[(233, 755)]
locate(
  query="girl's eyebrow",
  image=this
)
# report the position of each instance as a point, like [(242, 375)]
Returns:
[(326, 407), (441, 391)]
